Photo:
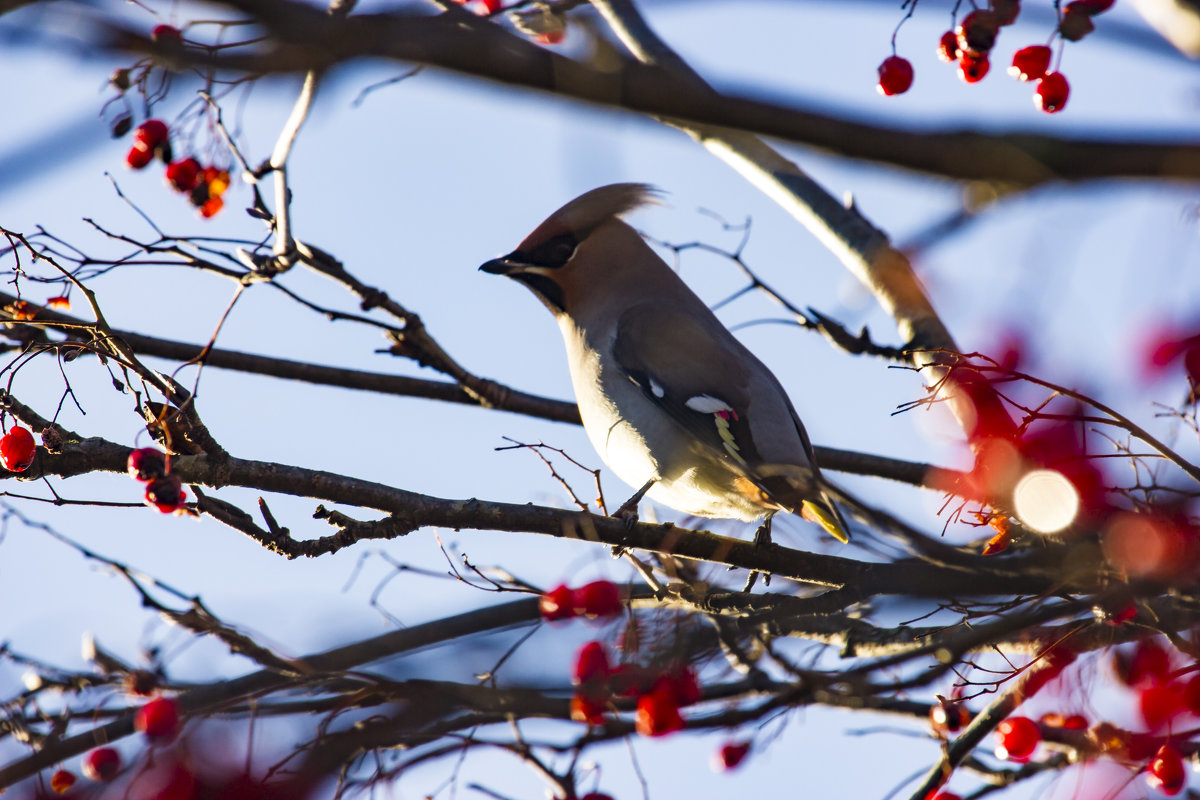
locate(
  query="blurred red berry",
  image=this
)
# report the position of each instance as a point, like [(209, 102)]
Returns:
[(101, 764), (1159, 704), (658, 713), (598, 599), (1075, 722), (1148, 664), (1191, 694), (1076, 23), (1052, 93), (591, 664), (947, 48), (948, 716), (895, 76), (1166, 770), (211, 206), (62, 780), (550, 37), (682, 684), (1016, 737), (492, 6), (165, 33), (158, 719), (972, 69), (17, 449), (1094, 6), (183, 174), (946, 796), (977, 32), (557, 604), (151, 133), (729, 755), (165, 493), (139, 156), (145, 464), (596, 796), (587, 709), (1030, 63), (1006, 11)]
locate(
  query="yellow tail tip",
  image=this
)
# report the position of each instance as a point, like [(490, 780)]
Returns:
[(826, 519)]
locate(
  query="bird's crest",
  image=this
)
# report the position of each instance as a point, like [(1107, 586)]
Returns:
[(585, 213)]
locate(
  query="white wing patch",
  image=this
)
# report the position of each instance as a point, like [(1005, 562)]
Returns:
[(656, 389), (707, 404)]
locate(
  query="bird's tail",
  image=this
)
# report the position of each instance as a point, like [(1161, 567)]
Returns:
[(826, 514), (800, 490)]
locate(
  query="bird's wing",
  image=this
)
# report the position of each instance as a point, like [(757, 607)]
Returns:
[(689, 371)]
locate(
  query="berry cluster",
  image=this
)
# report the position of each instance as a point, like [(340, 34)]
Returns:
[(158, 720), (164, 489), (203, 185), (969, 45), (17, 449), (660, 693), (595, 600)]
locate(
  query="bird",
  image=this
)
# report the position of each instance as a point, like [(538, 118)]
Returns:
[(670, 399)]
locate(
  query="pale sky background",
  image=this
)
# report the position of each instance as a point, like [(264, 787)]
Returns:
[(419, 184)]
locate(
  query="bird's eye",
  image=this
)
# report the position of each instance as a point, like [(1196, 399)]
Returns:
[(555, 252)]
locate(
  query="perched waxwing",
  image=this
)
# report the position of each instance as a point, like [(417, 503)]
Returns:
[(671, 401)]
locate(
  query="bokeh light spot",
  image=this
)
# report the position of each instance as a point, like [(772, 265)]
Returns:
[(1045, 500)]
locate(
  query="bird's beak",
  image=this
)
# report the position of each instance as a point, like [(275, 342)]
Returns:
[(501, 266)]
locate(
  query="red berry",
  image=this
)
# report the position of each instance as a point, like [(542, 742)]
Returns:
[(1159, 704), (1075, 722), (587, 709), (62, 780), (947, 49), (101, 764), (1075, 23), (182, 175), (165, 33), (1006, 11), (1052, 93), (598, 599), (165, 493), (145, 464), (1191, 363), (1167, 773), (895, 76), (211, 206), (682, 683), (591, 665), (1148, 664), (1093, 6), (550, 37), (947, 716), (492, 6), (946, 796), (139, 156), (658, 713), (556, 604), (158, 719), (730, 755), (1016, 737), (972, 68), (151, 133), (1030, 63), (977, 32), (17, 449)]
